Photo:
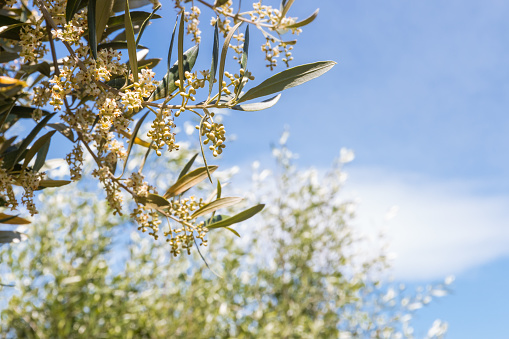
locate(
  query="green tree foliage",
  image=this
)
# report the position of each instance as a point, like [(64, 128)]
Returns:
[(301, 272)]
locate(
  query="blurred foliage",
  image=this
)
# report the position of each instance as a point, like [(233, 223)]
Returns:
[(302, 271)]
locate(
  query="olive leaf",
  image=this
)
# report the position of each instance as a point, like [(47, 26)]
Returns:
[(187, 167), (38, 145), (288, 78), (132, 141), (258, 106), (131, 44), (244, 215), (71, 8), (104, 9), (154, 201), (304, 22), (189, 180), (92, 35), (215, 205), (12, 219), (213, 66), (224, 51), (167, 86)]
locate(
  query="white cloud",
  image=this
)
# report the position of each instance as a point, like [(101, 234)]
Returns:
[(440, 228)]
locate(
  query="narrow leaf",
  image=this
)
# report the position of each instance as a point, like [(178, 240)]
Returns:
[(145, 24), (187, 167), (224, 51), (233, 231), (218, 188), (170, 49), (243, 62), (10, 236), (288, 78), (304, 22), (148, 63), (12, 219), (131, 44), (65, 130), (131, 141), (285, 5), (92, 35), (36, 147), (258, 106), (53, 183), (181, 52), (104, 9), (244, 215), (71, 8), (215, 205), (167, 86), (118, 45), (189, 180), (30, 137), (41, 156), (154, 201), (118, 22), (119, 5), (213, 66)]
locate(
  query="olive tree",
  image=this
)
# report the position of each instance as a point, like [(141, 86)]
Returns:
[(301, 271)]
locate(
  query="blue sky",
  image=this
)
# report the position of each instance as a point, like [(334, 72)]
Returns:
[(420, 94)]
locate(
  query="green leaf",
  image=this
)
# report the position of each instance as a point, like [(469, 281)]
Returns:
[(244, 215), (189, 180), (304, 22), (258, 106), (215, 219), (36, 147), (215, 205), (218, 189), (12, 32), (224, 51), (102, 15), (219, 3), (181, 52), (30, 137), (215, 51), (145, 24), (71, 8), (65, 130), (118, 45), (243, 62), (53, 183), (43, 68), (170, 49), (148, 63), (92, 35), (187, 167), (285, 5), (167, 86), (8, 56), (119, 5), (154, 201), (24, 112), (233, 231), (41, 156), (118, 22), (10, 236), (131, 44), (12, 219), (288, 78), (132, 141)]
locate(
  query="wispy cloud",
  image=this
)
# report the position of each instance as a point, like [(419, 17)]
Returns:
[(438, 228)]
